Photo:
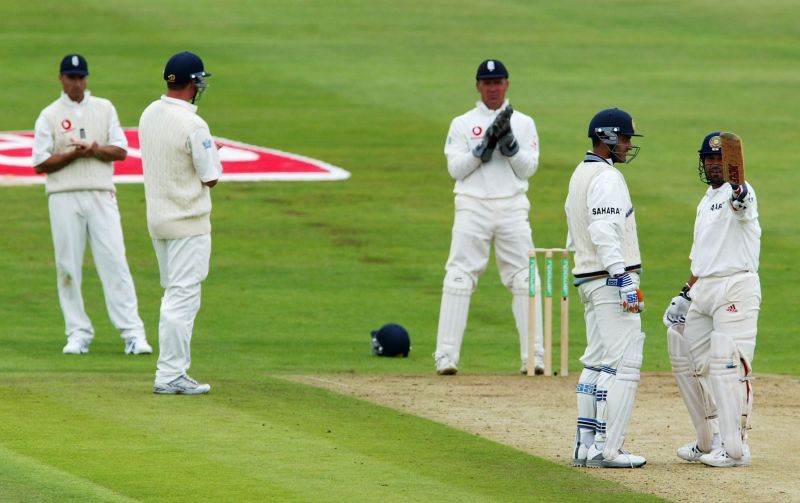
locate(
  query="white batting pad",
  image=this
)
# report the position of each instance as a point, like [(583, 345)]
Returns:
[(452, 323), (519, 305), (695, 389), (586, 392), (621, 395), (728, 376)]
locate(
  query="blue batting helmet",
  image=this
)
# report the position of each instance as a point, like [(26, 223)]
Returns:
[(611, 120), (391, 340), (607, 125), (712, 145), (185, 67)]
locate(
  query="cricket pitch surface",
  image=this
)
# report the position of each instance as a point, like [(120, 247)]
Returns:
[(537, 415)]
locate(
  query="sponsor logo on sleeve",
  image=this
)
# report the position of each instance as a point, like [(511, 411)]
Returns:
[(606, 210)]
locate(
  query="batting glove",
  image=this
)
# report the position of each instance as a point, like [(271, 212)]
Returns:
[(738, 195), (677, 309), (630, 296)]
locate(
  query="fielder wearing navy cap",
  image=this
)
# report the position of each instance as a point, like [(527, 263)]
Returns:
[(491, 69), (74, 64)]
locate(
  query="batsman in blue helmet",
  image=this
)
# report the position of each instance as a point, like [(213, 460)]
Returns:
[(602, 233), (712, 322)]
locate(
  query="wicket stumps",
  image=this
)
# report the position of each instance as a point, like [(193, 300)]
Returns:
[(548, 310)]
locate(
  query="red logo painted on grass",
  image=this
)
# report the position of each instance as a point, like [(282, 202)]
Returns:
[(240, 162)]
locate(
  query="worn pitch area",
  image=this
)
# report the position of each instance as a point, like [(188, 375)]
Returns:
[(537, 416)]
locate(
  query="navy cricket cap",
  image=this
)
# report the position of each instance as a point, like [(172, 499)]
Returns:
[(491, 69), (74, 64), (184, 67), (391, 340)]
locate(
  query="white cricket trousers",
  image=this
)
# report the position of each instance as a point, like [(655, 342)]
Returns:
[(183, 264), (93, 214), (477, 224), (609, 329), (728, 306)]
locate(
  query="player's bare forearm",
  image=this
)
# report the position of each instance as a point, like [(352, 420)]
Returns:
[(56, 161), (109, 153), (210, 183)]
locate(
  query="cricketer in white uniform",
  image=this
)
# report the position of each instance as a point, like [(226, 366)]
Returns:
[(712, 323), (181, 163), (602, 233), (76, 140), (491, 152)]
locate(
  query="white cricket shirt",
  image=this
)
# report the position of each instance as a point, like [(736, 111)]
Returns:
[(601, 221), (725, 241), (502, 176)]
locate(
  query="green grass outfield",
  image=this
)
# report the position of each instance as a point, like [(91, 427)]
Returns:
[(301, 272)]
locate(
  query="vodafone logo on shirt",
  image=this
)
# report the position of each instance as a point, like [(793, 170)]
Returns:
[(240, 162)]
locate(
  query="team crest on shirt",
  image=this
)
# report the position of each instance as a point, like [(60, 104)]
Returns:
[(477, 130), (207, 143), (66, 124)]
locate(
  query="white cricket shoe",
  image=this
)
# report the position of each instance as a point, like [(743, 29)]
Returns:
[(137, 346), (719, 458), (76, 346), (183, 385), (579, 454), (690, 452), (623, 459), (445, 366)]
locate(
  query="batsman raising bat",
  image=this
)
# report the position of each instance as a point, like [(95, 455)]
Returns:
[(712, 323)]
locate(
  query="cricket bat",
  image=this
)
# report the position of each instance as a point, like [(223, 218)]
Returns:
[(732, 159)]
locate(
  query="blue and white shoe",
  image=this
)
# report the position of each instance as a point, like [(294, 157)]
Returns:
[(183, 385), (690, 452)]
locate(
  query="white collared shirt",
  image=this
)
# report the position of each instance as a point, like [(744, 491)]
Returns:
[(725, 241), (502, 176)]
